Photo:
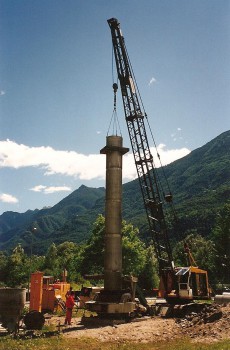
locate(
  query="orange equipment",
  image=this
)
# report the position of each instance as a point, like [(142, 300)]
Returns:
[(36, 282), (45, 295)]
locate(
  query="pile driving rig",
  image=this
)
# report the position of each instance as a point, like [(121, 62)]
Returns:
[(177, 284)]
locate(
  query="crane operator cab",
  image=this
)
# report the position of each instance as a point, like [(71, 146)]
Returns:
[(191, 283)]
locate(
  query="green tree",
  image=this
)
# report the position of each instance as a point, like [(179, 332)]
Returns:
[(67, 253), (221, 238), (15, 269), (148, 278), (202, 250), (133, 250), (51, 263), (92, 255), (3, 268), (17, 272), (34, 263)]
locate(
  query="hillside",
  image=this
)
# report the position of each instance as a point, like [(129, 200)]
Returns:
[(51, 223), (200, 183)]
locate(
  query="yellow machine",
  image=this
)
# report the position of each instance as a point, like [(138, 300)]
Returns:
[(45, 294), (191, 282)]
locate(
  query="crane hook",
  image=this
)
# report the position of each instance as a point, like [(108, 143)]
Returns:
[(115, 87)]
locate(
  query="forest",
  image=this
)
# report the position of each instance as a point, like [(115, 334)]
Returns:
[(212, 254)]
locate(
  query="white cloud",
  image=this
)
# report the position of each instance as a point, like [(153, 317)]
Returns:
[(179, 129), (53, 189), (166, 157), (50, 189), (8, 198), (169, 155), (152, 80), (38, 188), (70, 163), (2, 92)]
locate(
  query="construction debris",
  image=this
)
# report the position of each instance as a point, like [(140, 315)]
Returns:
[(213, 322), (209, 325)]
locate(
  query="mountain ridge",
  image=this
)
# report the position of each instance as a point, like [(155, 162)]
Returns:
[(199, 181)]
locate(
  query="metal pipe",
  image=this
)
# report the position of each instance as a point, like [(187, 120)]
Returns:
[(222, 299)]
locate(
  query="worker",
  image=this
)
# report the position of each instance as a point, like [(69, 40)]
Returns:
[(68, 292), (69, 307)]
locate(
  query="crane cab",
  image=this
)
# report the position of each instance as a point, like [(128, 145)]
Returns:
[(190, 283)]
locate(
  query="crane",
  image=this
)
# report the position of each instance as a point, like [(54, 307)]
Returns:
[(174, 282)]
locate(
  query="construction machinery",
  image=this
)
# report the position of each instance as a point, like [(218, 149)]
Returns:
[(47, 294), (177, 284), (86, 294)]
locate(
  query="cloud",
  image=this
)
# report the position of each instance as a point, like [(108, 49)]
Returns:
[(38, 188), (70, 163), (166, 157), (87, 167), (50, 189), (152, 81), (8, 198), (2, 92)]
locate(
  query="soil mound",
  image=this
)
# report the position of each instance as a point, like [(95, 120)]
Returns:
[(212, 323)]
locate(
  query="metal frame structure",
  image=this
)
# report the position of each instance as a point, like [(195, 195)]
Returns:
[(135, 119)]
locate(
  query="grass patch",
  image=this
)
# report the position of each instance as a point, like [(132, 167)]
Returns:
[(60, 343)]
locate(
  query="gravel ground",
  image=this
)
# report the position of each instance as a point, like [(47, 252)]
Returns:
[(210, 325)]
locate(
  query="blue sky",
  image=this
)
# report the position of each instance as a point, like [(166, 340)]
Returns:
[(56, 97)]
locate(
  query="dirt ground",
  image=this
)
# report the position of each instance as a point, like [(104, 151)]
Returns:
[(210, 325)]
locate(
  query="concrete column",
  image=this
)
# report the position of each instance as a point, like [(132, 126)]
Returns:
[(113, 219)]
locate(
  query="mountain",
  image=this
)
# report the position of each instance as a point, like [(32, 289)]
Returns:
[(203, 171), (200, 183), (16, 228)]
